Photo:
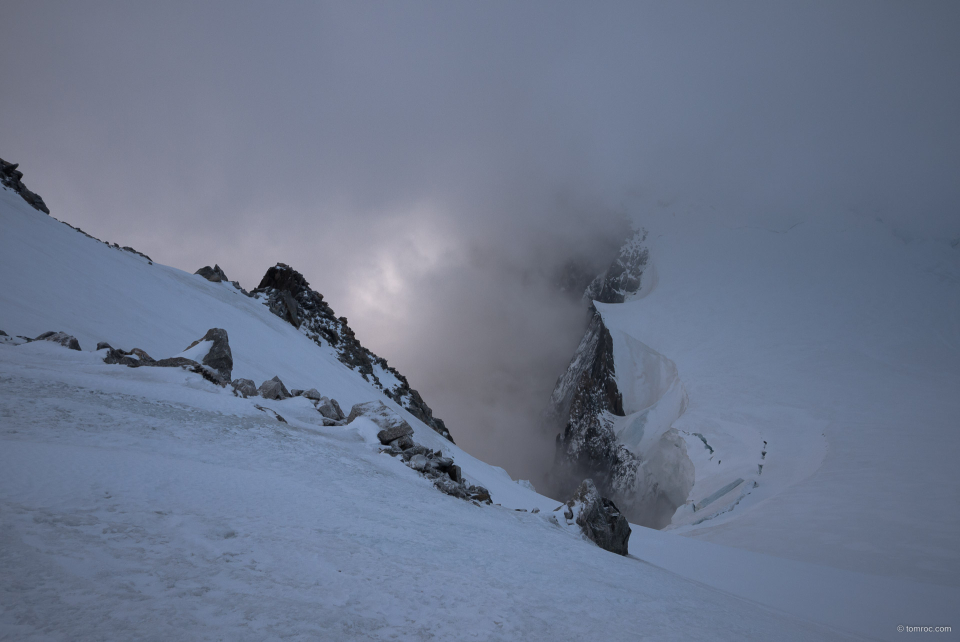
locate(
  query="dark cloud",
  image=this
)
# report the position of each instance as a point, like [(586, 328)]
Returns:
[(433, 167)]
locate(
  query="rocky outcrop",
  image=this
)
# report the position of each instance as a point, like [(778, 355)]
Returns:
[(288, 295), (598, 518), (392, 425), (397, 435), (214, 274), (218, 356), (274, 389), (624, 275), (215, 365), (587, 401), (64, 339), (10, 177)]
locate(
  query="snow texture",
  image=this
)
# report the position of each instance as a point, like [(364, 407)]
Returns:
[(150, 503)]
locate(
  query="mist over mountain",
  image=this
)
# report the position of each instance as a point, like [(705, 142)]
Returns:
[(431, 167)]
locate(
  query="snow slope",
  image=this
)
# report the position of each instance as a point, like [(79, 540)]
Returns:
[(151, 504), (832, 345)]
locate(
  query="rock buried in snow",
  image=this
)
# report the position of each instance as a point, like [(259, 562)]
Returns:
[(270, 411), (393, 425), (244, 387), (134, 358), (313, 394), (274, 389), (598, 518), (62, 338)]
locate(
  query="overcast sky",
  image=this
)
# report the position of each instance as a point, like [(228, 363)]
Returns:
[(430, 167)]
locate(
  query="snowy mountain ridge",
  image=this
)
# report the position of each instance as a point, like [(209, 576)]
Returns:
[(151, 503)]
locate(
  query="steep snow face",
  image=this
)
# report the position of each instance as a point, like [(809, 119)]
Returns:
[(821, 362)]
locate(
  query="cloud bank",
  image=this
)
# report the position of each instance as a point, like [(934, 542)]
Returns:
[(434, 168)]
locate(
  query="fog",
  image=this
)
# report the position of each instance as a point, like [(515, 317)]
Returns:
[(433, 168)]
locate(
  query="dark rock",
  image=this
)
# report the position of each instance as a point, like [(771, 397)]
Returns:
[(313, 394), (10, 177), (296, 392), (62, 338), (244, 387), (274, 389), (599, 519), (103, 345), (115, 356), (214, 274), (584, 404), (4, 334), (332, 422), (219, 357), (402, 443), (293, 313), (175, 362), (330, 409), (455, 473)]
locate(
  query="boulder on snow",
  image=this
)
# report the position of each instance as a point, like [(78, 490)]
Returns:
[(274, 389), (244, 387), (455, 474), (330, 409), (218, 357), (313, 394), (393, 425), (598, 518), (64, 339), (214, 274)]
